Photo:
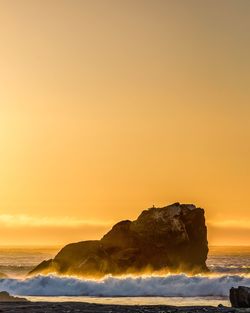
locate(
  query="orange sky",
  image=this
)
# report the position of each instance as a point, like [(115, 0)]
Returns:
[(108, 107)]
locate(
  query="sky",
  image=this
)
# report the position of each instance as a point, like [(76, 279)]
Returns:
[(108, 107)]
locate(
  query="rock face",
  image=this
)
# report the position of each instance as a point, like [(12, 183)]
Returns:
[(240, 297), (6, 297), (172, 238)]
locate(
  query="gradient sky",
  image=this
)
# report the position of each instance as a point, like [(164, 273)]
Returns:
[(110, 106)]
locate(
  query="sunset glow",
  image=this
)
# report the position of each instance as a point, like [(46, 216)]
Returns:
[(110, 107)]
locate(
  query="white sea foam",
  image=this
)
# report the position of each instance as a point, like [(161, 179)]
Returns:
[(167, 286)]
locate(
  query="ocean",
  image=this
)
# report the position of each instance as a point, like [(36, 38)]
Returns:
[(229, 266)]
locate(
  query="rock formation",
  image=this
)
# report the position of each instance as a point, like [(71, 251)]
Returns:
[(6, 297), (240, 297), (172, 238)]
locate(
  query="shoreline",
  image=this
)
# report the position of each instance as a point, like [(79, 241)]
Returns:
[(74, 307)]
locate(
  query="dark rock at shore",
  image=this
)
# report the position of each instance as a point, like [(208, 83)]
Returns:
[(6, 297), (240, 297), (172, 238)]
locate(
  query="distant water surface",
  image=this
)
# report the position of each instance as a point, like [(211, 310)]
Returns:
[(229, 260), (18, 261)]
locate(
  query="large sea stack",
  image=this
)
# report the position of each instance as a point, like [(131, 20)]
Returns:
[(172, 238)]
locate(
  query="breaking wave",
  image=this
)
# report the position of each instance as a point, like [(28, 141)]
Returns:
[(179, 285)]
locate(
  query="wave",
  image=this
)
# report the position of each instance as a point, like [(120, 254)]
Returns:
[(163, 286)]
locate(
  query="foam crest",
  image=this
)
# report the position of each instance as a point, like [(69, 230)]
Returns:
[(170, 286)]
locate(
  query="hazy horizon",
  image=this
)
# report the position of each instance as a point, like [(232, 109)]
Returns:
[(110, 107)]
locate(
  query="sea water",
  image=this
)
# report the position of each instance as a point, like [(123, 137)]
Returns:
[(229, 266)]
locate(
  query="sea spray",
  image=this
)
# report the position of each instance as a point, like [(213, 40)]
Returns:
[(179, 285)]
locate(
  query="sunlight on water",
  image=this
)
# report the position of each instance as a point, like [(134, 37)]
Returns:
[(213, 301)]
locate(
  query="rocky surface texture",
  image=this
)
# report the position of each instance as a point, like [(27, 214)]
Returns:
[(6, 297), (74, 307), (172, 238), (240, 297)]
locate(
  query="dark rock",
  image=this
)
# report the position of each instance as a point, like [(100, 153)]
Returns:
[(172, 238), (6, 297), (76, 307), (240, 297)]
